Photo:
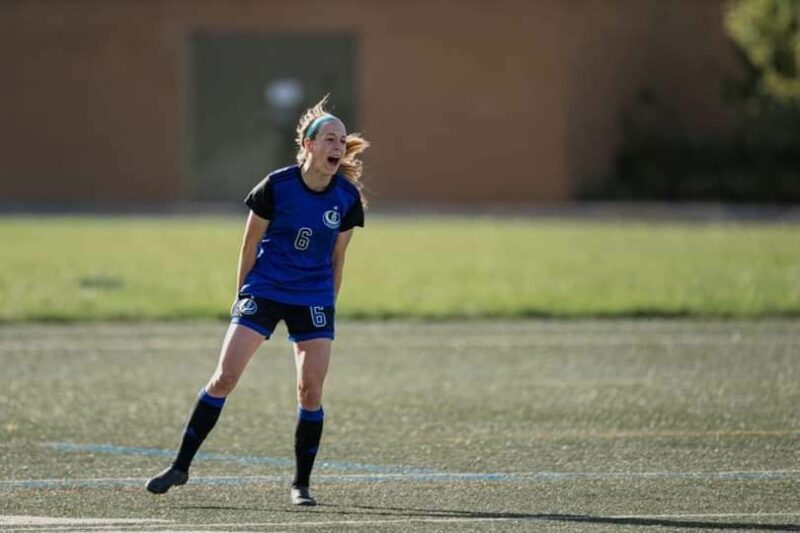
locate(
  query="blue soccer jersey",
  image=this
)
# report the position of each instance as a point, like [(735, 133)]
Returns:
[(294, 263)]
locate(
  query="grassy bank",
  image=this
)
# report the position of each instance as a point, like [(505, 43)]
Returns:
[(87, 268)]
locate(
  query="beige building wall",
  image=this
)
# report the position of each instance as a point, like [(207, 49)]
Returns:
[(464, 100)]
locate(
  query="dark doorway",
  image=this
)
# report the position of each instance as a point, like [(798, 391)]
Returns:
[(246, 94)]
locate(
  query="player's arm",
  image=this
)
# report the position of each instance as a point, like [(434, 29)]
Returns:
[(253, 231), (339, 250)]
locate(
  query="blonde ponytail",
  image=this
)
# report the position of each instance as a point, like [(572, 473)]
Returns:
[(351, 167)]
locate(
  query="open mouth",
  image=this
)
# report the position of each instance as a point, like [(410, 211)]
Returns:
[(334, 160)]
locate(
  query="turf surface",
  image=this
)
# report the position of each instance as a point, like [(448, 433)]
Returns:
[(463, 425)]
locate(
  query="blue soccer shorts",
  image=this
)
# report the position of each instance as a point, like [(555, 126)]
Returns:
[(304, 322)]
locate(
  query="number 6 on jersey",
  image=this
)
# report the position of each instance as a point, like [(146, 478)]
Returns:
[(303, 238)]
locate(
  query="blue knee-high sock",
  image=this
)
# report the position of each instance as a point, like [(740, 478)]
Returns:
[(306, 443), (205, 415)]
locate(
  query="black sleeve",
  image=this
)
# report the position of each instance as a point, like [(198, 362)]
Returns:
[(259, 200), (354, 217)]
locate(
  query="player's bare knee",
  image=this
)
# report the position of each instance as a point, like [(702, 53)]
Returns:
[(309, 395), (222, 384)]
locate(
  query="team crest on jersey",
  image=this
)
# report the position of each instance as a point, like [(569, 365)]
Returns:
[(246, 306), (332, 218)]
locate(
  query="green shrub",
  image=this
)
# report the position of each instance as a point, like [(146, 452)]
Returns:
[(768, 34), (758, 163)]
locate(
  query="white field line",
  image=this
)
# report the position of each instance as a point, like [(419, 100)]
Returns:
[(99, 524), (447, 477), (29, 520), (667, 434), (464, 520), (706, 515), (143, 528), (615, 339), (546, 339)]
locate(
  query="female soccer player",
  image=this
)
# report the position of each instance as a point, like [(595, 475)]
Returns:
[(290, 268)]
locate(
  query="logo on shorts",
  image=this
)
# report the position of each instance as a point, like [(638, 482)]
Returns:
[(245, 307), (332, 218)]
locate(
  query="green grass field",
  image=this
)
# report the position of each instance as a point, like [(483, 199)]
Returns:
[(490, 425), (88, 268)]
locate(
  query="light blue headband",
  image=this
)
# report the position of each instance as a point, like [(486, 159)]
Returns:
[(316, 124)]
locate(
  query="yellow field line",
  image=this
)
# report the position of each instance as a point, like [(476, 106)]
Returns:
[(668, 434)]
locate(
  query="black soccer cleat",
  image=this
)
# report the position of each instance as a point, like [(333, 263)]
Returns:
[(301, 496), (166, 479)]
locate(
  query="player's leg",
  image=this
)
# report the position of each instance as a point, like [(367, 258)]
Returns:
[(238, 347), (311, 358)]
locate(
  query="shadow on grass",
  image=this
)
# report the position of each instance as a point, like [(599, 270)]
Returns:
[(534, 313), (368, 510), (547, 314), (591, 519)]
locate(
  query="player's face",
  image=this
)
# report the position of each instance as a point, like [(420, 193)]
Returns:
[(328, 148)]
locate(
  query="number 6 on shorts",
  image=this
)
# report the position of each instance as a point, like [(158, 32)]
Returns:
[(318, 316)]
